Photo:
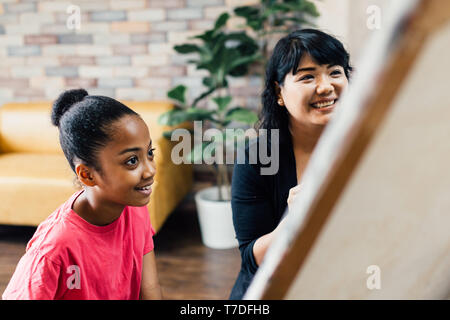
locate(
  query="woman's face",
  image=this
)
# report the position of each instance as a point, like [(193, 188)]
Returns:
[(310, 94), (127, 164)]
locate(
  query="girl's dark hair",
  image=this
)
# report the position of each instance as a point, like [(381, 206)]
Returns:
[(322, 47), (85, 124)]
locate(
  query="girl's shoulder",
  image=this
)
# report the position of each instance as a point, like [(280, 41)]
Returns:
[(54, 235), (138, 216)]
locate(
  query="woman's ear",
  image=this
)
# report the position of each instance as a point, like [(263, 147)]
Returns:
[(278, 92), (85, 175)]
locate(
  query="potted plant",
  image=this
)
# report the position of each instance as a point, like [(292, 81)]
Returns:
[(222, 54)]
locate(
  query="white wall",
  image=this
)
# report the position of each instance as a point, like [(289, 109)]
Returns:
[(348, 19)]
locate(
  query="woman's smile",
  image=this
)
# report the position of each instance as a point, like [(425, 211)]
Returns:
[(325, 105)]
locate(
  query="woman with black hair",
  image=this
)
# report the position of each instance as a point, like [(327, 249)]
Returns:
[(305, 77)]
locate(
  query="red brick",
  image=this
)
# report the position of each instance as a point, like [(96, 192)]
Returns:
[(13, 83), (130, 27), (166, 3), (31, 93), (81, 83), (41, 39), (164, 71), (130, 49), (77, 60)]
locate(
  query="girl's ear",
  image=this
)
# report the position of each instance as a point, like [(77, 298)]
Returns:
[(85, 175)]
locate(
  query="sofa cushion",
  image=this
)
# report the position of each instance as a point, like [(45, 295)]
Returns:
[(27, 128), (29, 181)]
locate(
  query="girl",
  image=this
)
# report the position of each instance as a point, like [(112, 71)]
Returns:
[(305, 77), (98, 244)]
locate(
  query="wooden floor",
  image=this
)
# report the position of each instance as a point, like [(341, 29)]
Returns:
[(186, 268)]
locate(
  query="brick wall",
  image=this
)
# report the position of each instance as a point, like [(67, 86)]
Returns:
[(124, 48)]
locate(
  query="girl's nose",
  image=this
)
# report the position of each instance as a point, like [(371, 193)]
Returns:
[(149, 170)]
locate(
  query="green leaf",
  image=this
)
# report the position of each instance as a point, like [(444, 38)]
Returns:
[(208, 82), (254, 18), (244, 60), (243, 115), (247, 12), (177, 116), (206, 37), (187, 48), (199, 114), (178, 93), (222, 102), (173, 117), (256, 24), (221, 21)]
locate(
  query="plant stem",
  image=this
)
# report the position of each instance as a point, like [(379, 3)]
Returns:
[(226, 181), (219, 182)]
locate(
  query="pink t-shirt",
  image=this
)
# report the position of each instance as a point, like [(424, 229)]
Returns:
[(69, 258)]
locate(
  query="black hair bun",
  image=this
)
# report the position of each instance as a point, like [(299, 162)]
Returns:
[(66, 100)]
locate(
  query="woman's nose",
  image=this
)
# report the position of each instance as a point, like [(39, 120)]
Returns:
[(324, 86)]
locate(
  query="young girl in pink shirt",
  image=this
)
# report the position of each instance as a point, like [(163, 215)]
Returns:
[(98, 244)]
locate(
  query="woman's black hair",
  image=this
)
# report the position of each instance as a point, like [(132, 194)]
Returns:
[(85, 124), (286, 56)]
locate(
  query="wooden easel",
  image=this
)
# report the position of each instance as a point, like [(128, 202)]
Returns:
[(288, 268)]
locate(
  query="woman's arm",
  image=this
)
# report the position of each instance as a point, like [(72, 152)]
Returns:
[(253, 213), (150, 288), (262, 244)]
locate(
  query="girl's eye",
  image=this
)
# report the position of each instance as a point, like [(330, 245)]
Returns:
[(151, 153), (132, 161)]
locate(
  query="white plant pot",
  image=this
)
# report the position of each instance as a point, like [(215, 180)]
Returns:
[(216, 220)]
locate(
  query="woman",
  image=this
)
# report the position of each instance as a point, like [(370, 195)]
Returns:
[(305, 77)]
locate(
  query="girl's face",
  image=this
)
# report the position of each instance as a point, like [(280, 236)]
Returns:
[(310, 94), (127, 164)]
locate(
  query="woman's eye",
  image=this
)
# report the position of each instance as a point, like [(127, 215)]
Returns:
[(307, 77), (151, 153), (336, 72), (132, 161)]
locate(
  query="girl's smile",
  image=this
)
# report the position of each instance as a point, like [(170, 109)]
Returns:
[(146, 190)]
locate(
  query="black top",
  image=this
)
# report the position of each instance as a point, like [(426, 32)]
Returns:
[(258, 203)]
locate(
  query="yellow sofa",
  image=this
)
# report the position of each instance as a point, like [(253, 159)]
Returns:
[(35, 177)]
